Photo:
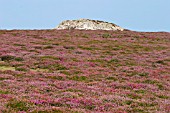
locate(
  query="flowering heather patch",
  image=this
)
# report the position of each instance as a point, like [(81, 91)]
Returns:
[(78, 71)]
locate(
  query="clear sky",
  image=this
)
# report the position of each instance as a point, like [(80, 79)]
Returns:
[(139, 15)]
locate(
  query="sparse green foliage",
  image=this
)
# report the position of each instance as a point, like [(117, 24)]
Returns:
[(106, 35), (19, 105)]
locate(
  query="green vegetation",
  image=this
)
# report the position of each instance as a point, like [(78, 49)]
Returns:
[(78, 78), (55, 67), (134, 96), (47, 111), (50, 57), (48, 47), (69, 47), (56, 77), (20, 69), (7, 58), (19, 105), (4, 92), (112, 78), (19, 59), (143, 74), (113, 61), (106, 35), (85, 48)]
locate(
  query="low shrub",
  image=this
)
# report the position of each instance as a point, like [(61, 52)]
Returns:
[(106, 35)]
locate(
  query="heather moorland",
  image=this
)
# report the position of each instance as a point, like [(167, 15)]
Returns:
[(77, 71)]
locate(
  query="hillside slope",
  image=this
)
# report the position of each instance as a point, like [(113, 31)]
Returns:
[(84, 71)]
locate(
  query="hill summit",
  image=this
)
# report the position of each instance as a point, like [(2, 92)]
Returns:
[(88, 24)]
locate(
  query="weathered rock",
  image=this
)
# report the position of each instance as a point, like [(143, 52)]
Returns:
[(88, 24)]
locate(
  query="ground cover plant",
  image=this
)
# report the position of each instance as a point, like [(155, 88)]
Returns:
[(79, 71)]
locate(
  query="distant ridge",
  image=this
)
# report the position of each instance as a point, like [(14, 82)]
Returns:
[(88, 24)]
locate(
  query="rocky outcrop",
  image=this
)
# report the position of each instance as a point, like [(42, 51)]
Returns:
[(87, 24)]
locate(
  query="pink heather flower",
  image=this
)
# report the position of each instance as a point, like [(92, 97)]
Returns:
[(39, 101), (21, 112), (136, 86)]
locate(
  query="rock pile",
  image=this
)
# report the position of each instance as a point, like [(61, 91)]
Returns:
[(87, 24)]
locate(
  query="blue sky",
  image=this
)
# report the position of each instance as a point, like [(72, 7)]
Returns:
[(139, 15)]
